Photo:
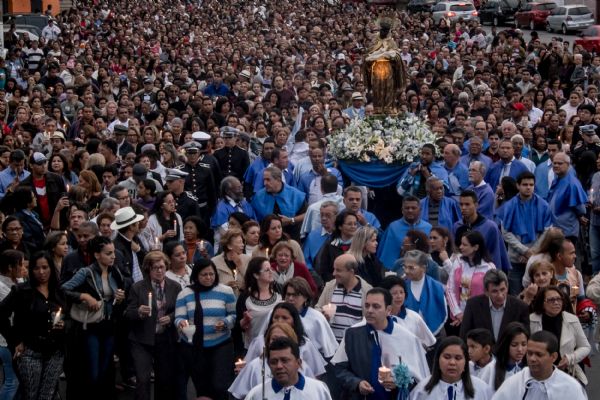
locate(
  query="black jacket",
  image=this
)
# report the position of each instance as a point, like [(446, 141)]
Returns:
[(478, 315), (143, 328), (124, 246)]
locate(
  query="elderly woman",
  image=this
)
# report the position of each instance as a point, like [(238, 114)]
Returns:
[(364, 249), (151, 310), (549, 314), (424, 295), (285, 267), (232, 262), (405, 317)]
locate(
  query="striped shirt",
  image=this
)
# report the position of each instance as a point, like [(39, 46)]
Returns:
[(218, 304), (348, 309)]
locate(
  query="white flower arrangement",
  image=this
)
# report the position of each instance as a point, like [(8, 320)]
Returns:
[(390, 139)]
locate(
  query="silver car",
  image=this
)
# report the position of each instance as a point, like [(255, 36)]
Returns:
[(453, 10), (569, 18)]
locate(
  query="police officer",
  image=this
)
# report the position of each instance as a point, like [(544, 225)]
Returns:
[(187, 203), (203, 139), (200, 180), (232, 159)]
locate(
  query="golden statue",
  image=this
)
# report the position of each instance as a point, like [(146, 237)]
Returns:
[(384, 71)]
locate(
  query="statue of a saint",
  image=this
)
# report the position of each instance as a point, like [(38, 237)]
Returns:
[(384, 71)]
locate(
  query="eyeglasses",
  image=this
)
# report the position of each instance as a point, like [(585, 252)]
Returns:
[(158, 268), (554, 300)]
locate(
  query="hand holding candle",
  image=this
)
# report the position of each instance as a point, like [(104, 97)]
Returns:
[(57, 317), (239, 364), (384, 374), (329, 310)]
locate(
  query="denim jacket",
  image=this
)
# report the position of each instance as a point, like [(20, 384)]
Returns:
[(82, 282)]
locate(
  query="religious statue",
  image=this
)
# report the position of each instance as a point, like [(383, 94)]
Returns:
[(384, 71)]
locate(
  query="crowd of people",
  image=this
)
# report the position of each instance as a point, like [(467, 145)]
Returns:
[(170, 210)]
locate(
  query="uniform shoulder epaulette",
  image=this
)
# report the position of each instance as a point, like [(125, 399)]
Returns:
[(191, 195)]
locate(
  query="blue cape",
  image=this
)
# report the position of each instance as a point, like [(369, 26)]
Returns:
[(313, 243), (486, 197), (449, 212), (458, 179), (566, 193), (224, 210), (290, 200), (493, 240), (432, 305), (493, 175), (391, 241), (526, 219)]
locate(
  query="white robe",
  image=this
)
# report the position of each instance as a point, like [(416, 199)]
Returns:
[(559, 386), (316, 328), (312, 390), (251, 376), (417, 326), (401, 344), (308, 353), (440, 391), (487, 373)]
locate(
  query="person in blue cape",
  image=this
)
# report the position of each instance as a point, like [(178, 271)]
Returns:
[(280, 199), (524, 219), (475, 145), (506, 166), (567, 198), (391, 241), (413, 180), (458, 175), (317, 237), (485, 193), (232, 201), (424, 295), (544, 176), (437, 209), (253, 178), (472, 220)]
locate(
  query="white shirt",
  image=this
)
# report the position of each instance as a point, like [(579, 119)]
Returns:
[(415, 324), (440, 391), (559, 386), (486, 373), (310, 389)]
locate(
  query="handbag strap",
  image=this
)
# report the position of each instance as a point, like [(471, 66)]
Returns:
[(95, 284)]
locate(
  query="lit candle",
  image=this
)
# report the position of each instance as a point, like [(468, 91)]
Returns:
[(235, 274), (267, 254), (156, 243), (384, 374), (175, 226), (57, 317), (68, 188), (201, 245), (150, 301), (592, 196), (329, 310)]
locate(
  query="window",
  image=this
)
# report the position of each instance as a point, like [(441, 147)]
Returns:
[(462, 7)]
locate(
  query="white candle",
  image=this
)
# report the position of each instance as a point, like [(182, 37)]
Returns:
[(175, 226), (384, 373), (329, 310), (267, 254), (57, 317), (235, 274), (67, 188), (150, 301), (201, 245), (592, 196)]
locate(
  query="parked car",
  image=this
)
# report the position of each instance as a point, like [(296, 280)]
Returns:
[(589, 39), (37, 20), (534, 14), (569, 18), (498, 12), (31, 31), (417, 6), (453, 10)]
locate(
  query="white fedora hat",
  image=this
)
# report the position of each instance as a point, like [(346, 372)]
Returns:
[(125, 217)]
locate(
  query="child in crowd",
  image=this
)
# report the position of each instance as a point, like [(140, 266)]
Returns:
[(482, 363)]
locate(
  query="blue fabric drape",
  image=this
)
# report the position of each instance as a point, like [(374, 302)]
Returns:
[(375, 174)]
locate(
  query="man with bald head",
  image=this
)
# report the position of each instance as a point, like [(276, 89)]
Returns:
[(506, 166), (346, 291), (458, 175), (567, 198)]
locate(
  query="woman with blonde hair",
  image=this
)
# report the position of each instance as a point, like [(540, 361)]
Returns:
[(552, 237), (541, 275), (89, 181), (364, 248)]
